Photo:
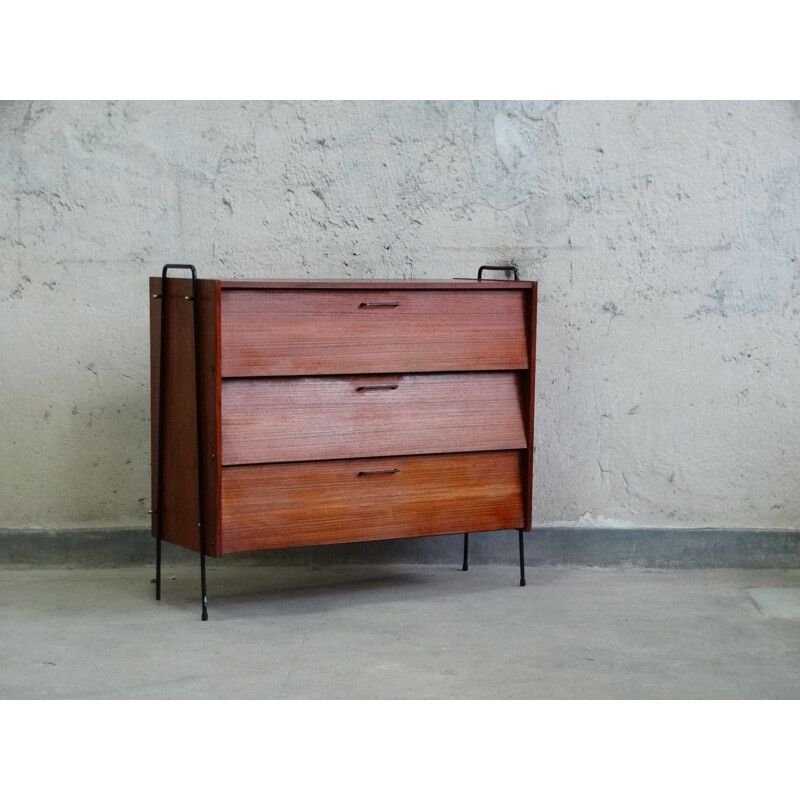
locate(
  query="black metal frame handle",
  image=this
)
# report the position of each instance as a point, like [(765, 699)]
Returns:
[(377, 387), (465, 563), (198, 395), (379, 305), (505, 269)]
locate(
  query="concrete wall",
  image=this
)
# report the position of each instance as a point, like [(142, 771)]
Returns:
[(665, 237)]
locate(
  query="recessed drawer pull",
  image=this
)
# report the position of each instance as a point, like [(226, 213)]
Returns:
[(377, 387), (379, 305), (379, 472)]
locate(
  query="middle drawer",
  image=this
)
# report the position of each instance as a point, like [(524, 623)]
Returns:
[(270, 420)]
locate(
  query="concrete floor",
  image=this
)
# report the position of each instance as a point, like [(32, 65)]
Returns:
[(382, 632)]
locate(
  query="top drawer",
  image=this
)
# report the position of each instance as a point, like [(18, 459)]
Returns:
[(342, 331)]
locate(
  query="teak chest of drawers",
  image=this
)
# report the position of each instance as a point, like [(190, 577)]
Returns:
[(329, 412)]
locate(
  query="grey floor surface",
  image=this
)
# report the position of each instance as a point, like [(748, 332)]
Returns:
[(400, 631)]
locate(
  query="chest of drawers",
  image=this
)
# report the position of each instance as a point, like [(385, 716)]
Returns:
[(334, 412)]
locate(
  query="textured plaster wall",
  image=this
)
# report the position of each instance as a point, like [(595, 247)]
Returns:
[(665, 237)]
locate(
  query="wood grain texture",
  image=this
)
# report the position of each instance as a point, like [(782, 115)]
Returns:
[(180, 510), (302, 419), (321, 332), (211, 387), (471, 358), (529, 394), (287, 505), (468, 284)]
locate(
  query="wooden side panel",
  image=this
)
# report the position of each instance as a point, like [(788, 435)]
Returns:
[(303, 419), (180, 509), (306, 503), (211, 388), (322, 332), (530, 402)]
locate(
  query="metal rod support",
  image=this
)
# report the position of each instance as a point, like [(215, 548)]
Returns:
[(198, 414), (465, 566), (162, 367), (505, 269)]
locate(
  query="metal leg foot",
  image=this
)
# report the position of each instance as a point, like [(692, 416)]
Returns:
[(203, 585), (521, 560), (158, 569), (465, 565)]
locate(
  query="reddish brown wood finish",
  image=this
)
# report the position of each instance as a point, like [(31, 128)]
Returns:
[(323, 332), (529, 378), (349, 285), (180, 512), (307, 503), (301, 419), (481, 331), (209, 296)]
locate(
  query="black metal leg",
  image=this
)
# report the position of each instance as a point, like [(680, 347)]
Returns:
[(158, 568), (198, 412), (465, 565), (162, 371), (521, 560), (201, 515), (204, 614)]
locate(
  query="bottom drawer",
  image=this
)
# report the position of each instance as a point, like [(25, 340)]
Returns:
[(306, 503)]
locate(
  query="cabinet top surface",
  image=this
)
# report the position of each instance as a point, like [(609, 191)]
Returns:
[(456, 283)]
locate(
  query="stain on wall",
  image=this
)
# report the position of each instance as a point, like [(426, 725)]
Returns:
[(664, 236)]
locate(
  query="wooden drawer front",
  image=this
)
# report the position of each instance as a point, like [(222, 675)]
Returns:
[(305, 419), (318, 332), (288, 505)]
